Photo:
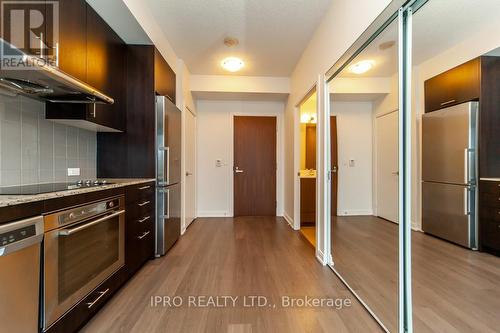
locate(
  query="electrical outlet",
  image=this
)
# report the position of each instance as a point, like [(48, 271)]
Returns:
[(218, 163), (73, 171), (352, 164)]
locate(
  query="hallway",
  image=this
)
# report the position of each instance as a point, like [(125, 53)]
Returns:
[(234, 257)]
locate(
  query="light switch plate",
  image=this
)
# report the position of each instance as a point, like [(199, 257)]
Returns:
[(73, 171)]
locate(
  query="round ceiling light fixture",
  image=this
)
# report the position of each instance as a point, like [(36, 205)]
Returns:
[(232, 64), (362, 66)]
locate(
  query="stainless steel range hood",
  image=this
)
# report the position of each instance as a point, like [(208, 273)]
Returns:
[(39, 79)]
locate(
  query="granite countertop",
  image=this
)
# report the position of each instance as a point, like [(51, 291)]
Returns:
[(11, 200), (491, 179)]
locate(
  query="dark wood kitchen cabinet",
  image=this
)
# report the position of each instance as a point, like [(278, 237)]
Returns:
[(489, 214), (164, 77), (72, 45), (132, 153), (140, 226), (99, 60), (455, 86)]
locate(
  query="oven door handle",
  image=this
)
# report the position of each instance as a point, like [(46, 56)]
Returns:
[(71, 231)]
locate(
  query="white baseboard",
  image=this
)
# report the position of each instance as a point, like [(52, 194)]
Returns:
[(355, 212), (213, 214), (321, 257), (289, 220)]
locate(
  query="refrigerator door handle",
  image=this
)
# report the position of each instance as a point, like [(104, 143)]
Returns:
[(466, 165), (466, 201), (167, 165), (167, 211)]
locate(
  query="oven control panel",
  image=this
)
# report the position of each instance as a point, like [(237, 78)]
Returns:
[(82, 213), (17, 235)]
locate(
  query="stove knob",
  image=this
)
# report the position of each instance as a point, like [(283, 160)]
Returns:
[(104, 182), (96, 183), (79, 183), (88, 182)]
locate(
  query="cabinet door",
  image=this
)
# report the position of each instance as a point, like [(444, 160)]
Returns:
[(105, 71), (72, 41), (164, 78), (456, 86), (27, 35)]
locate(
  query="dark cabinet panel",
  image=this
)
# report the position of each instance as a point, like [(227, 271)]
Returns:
[(105, 71), (489, 104), (81, 313), (72, 44), (458, 85), (132, 154), (164, 78), (489, 217), (308, 201), (99, 60), (140, 226)]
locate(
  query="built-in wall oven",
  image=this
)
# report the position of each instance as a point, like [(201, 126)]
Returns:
[(83, 246)]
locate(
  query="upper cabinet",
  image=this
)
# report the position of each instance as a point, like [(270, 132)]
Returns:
[(106, 54), (456, 86), (71, 48), (164, 77), (92, 52)]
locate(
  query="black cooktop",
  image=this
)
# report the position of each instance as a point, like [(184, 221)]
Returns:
[(48, 187)]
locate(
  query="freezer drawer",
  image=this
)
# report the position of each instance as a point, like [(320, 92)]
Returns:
[(168, 219), (449, 145), (448, 212)]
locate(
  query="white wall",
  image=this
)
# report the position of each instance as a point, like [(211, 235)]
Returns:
[(355, 142), (341, 25), (214, 141)]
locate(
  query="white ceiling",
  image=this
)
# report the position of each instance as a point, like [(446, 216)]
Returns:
[(121, 20), (272, 33), (437, 26)]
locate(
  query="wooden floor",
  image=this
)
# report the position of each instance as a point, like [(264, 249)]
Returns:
[(234, 257), (310, 234), (454, 289)]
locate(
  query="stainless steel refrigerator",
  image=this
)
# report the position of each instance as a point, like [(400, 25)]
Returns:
[(168, 174), (449, 173)]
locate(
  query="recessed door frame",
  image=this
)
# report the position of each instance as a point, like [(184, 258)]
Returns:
[(280, 157)]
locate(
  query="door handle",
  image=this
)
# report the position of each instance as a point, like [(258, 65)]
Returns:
[(188, 174), (395, 173), (238, 170), (334, 169)]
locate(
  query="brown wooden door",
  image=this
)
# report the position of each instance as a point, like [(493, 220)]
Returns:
[(334, 164), (254, 166)]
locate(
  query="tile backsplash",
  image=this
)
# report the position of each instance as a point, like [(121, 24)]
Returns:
[(35, 150)]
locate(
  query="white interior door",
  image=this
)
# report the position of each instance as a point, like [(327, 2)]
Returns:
[(190, 167), (387, 166)]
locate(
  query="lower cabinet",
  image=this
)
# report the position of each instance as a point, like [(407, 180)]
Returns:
[(140, 227), (489, 217), (81, 313), (139, 248), (308, 201)]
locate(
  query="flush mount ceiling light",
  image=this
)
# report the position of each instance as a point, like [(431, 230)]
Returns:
[(362, 66), (232, 64)]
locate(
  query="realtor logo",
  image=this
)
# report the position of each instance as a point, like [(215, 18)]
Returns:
[(28, 27)]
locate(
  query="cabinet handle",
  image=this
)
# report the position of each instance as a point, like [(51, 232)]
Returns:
[(144, 188), (144, 219), (57, 54), (41, 45), (101, 295), (144, 203), (93, 113), (143, 235), (448, 102)]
